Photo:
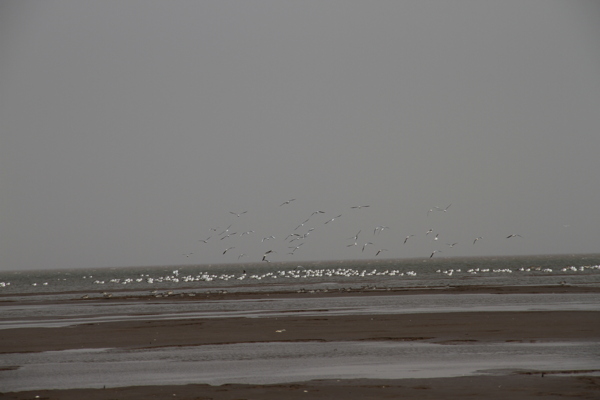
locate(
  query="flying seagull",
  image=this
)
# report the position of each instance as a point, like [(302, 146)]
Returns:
[(205, 240), (443, 209), (227, 249), (237, 214), (286, 202), (365, 245), (513, 235), (406, 238), (332, 219), (359, 207), (435, 251), (477, 238), (379, 251)]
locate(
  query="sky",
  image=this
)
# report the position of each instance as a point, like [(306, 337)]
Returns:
[(130, 130)]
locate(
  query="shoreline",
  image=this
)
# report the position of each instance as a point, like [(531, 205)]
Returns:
[(444, 328)]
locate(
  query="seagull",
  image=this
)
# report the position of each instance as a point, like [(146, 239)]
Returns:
[(405, 239), (428, 232), (379, 251), (205, 240), (436, 236), (435, 251), (451, 245), (295, 248), (267, 238), (317, 212), (379, 229), (428, 211), (265, 255), (241, 255), (227, 249), (286, 202), (355, 237), (359, 207), (365, 245), (237, 214), (302, 224), (225, 231), (477, 238), (332, 219), (354, 244), (513, 235), (246, 233), (226, 236), (443, 209)]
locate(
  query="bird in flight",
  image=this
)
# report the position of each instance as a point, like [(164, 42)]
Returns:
[(379, 251), (205, 240), (443, 209), (359, 207), (355, 237), (332, 219), (513, 235), (406, 238), (435, 251), (286, 202), (477, 238), (237, 214), (228, 235), (379, 229), (428, 232), (451, 244), (365, 245), (267, 238), (227, 249)]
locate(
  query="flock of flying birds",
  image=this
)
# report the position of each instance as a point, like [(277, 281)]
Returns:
[(298, 236)]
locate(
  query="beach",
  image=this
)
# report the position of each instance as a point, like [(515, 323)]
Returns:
[(444, 329)]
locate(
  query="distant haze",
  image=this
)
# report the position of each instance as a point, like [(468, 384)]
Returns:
[(129, 129)]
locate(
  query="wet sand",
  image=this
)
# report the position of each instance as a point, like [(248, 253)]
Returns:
[(441, 328)]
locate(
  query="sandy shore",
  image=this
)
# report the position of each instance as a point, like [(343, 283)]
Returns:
[(444, 328)]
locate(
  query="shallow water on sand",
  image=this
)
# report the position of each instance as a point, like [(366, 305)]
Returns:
[(66, 314), (267, 363)]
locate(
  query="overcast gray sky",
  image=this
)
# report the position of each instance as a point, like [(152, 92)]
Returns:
[(129, 129)]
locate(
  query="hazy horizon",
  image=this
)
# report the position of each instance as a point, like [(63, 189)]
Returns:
[(129, 130)]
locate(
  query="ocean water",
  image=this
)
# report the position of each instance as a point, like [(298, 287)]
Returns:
[(380, 274)]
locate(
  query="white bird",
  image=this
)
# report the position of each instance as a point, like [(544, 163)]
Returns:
[(451, 245), (302, 224), (406, 238), (225, 231), (286, 202), (379, 251), (228, 235), (355, 237), (241, 255), (513, 235), (332, 219), (317, 212), (443, 209), (267, 238), (379, 229), (365, 245), (435, 251), (359, 207), (205, 240), (246, 233), (238, 214), (227, 249), (477, 238), (428, 232), (436, 236)]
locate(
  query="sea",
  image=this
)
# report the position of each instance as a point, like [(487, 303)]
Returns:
[(310, 276)]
